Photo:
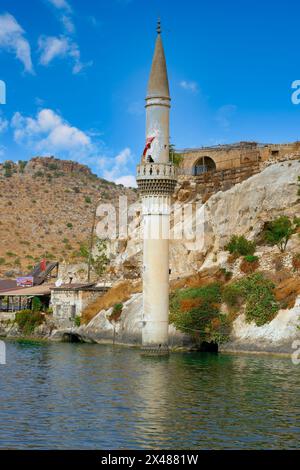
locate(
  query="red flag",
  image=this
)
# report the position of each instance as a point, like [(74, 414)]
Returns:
[(43, 264), (148, 145)]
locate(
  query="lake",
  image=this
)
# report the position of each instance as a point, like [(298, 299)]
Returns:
[(80, 396)]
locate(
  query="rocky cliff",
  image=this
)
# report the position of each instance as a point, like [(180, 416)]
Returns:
[(242, 210)]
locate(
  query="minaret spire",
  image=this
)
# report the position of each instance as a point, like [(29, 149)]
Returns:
[(158, 85)]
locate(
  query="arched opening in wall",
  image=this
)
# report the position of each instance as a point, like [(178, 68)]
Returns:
[(211, 347), (203, 165), (71, 338)]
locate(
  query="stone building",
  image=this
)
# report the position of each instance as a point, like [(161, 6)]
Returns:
[(231, 156), (69, 300)]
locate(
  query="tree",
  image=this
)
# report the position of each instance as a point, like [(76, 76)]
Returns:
[(7, 169), (98, 261), (175, 157), (279, 231)]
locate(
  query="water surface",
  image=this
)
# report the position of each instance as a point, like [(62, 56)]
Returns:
[(73, 396)]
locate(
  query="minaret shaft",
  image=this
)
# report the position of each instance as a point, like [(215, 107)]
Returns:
[(157, 126), (156, 179)]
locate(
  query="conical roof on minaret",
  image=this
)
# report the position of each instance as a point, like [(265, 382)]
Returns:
[(158, 85)]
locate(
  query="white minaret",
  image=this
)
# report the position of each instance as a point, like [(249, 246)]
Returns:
[(156, 178)]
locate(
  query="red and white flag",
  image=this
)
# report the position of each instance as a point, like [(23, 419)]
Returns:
[(148, 145)]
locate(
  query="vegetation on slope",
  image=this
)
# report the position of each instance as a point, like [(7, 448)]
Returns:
[(118, 294), (257, 293), (196, 311), (28, 320)]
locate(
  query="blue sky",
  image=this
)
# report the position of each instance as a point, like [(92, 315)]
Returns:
[(76, 73)]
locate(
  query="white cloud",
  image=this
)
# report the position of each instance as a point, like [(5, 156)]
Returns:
[(129, 181), (12, 39), (119, 168), (61, 5), (93, 21), (65, 14), (49, 133), (189, 86), (123, 158), (68, 23), (61, 47), (52, 47), (224, 115), (3, 123)]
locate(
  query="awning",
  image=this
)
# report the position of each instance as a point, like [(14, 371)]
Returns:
[(28, 291)]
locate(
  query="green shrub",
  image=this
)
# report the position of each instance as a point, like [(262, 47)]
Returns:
[(22, 164), (226, 274), (296, 222), (77, 321), (195, 311), (2, 261), (7, 169), (240, 246), (232, 295), (116, 312), (88, 200), (36, 304), (52, 166), (279, 231), (258, 294), (28, 320), (251, 258), (38, 174), (69, 225)]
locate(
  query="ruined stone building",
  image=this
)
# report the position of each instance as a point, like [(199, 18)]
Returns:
[(220, 167)]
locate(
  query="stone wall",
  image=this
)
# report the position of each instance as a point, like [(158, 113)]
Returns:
[(68, 304), (211, 182)]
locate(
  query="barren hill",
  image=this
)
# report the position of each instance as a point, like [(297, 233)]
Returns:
[(46, 208)]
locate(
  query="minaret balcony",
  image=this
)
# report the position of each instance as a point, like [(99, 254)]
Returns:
[(156, 178)]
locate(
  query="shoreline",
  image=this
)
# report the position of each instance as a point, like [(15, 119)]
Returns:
[(174, 350)]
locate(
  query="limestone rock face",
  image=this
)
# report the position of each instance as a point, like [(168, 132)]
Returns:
[(241, 210), (245, 208), (128, 329), (277, 336)]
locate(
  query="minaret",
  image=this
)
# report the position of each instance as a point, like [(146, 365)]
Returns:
[(156, 178)]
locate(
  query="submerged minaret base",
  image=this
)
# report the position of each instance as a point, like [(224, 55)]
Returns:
[(156, 178)]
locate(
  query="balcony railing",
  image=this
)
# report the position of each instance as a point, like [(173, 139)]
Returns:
[(156, 171)]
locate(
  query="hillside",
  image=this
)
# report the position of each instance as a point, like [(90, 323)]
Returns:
[(46, 208)]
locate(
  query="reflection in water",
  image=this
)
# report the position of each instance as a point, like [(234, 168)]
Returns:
[(103, 397)]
